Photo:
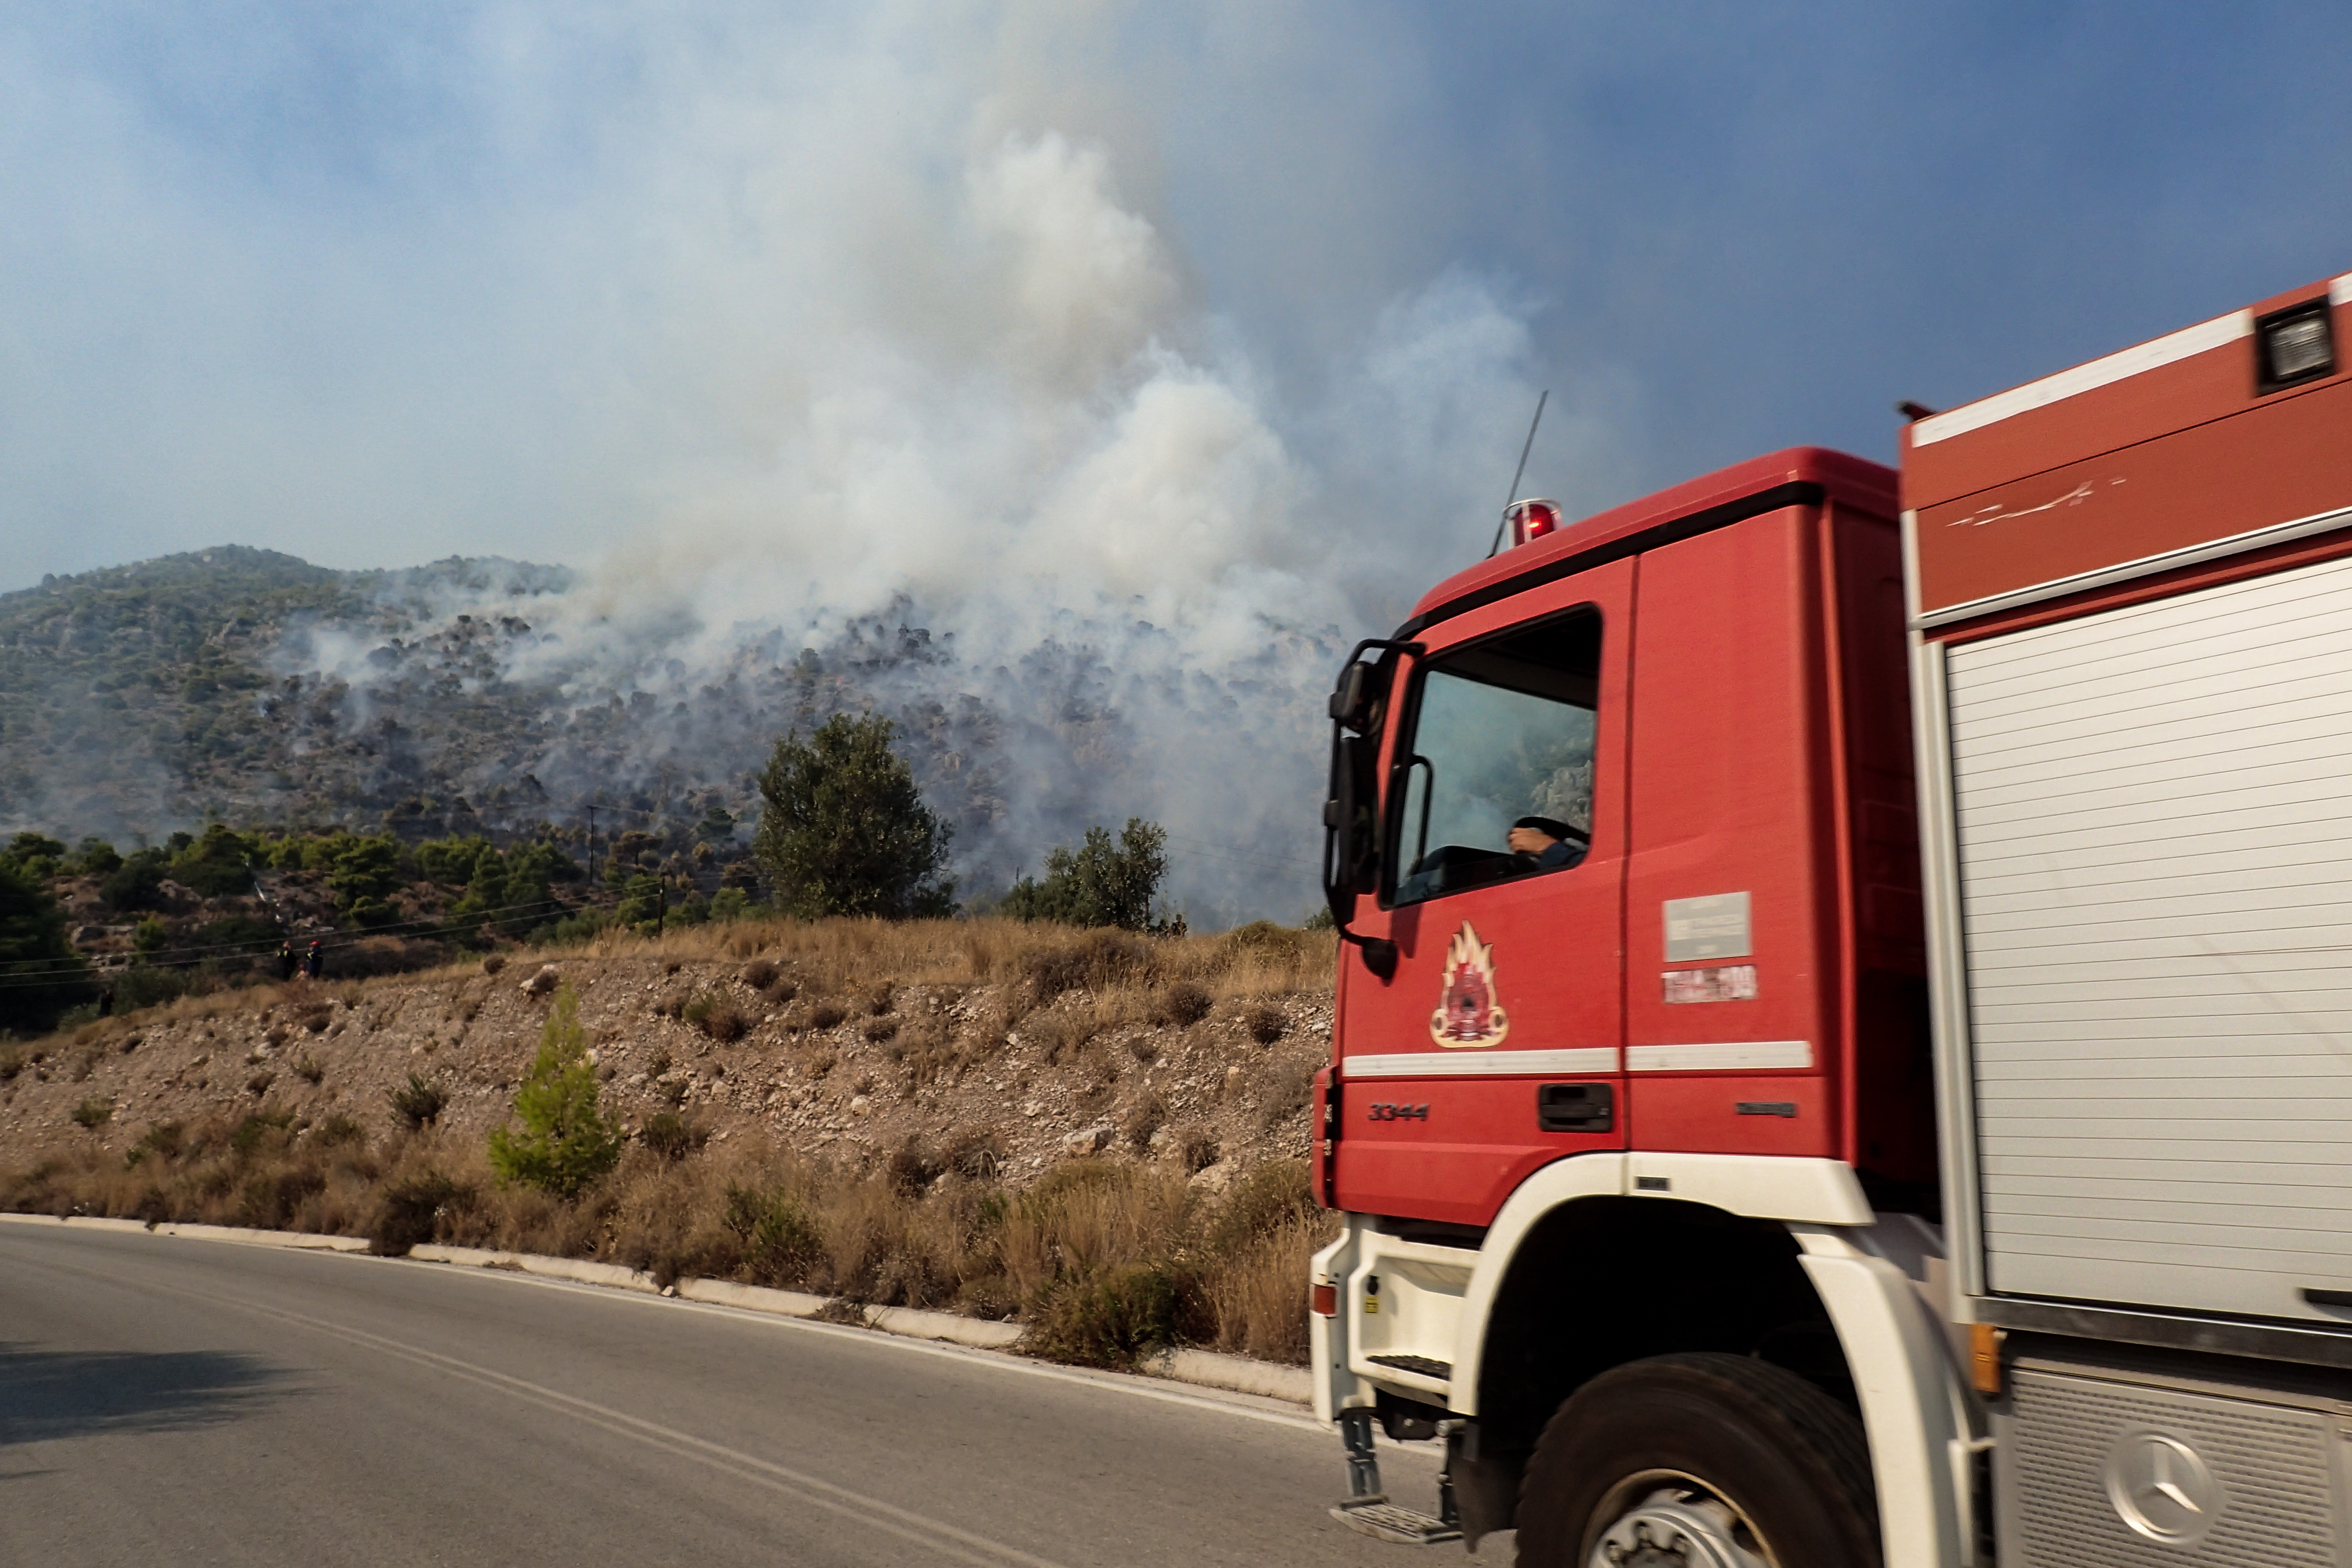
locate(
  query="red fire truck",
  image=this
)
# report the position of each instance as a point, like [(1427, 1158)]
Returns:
[(1844, 1027)]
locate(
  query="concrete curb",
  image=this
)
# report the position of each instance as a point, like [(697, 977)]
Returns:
[(1235, 1374), (577, 1269), (1205, 1369)]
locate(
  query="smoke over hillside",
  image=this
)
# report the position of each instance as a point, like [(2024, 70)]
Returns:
[(1011, 488), (876, 375)]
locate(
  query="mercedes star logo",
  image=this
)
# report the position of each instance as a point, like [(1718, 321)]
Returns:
[(2161, 1489)]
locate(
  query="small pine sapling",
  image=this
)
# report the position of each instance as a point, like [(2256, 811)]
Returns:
[(565, 1142)]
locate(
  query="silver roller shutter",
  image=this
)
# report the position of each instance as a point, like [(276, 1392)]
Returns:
[(2155, 831)]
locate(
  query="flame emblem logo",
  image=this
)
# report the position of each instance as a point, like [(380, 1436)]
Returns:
[(1467, 1012)]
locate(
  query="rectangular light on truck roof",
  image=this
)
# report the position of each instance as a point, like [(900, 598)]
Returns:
[(2296, 345)]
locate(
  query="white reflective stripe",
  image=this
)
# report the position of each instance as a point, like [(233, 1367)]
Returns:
[(2099, 372), (2339, 292), (1480, 1064), (1731, 1055)]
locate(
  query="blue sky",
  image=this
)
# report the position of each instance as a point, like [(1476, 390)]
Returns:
[(638, 284)]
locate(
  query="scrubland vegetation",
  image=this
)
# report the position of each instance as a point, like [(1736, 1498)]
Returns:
[(1095, 1131)]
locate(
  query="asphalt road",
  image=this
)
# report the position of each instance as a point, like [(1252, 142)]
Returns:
[(175, 1401)]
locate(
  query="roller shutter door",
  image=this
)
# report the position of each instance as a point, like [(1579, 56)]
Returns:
[(2155, 821)]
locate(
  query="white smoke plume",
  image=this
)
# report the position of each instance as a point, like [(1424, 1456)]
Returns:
[(872, 318)]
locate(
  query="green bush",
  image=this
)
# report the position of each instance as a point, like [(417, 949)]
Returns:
[(1100, 883), (412, 1210), (782, 1243), (670, 1135), (418, 1102), (136, 882), (565, 1142), (1111, 1316), (846, 832), (94, 1112), (143, 985)]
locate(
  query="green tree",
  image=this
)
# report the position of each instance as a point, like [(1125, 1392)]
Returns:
[(566, 1140), (1103, 882), (30, 845), (364, 874), (846, 832), (136, 883), (214, 865), (96, 857), (641, 901), (40, 975)]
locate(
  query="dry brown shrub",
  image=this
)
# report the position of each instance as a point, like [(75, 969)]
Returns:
[(1147, 1116), (1098, 961), (1184, 1004), (1061, 1034), (715, 1014), (1264, 1023), (1197, 1150), (825, 1016), (1282, 1089), (1259, 1294), (976, 1153), (494, 963), (913, 1166), (759, 974), (1088, 1213), (878, 1030)]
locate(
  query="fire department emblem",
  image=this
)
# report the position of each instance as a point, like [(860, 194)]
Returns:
[(1467, 1013)]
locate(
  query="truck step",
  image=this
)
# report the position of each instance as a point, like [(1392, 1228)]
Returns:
[(1419, 1366), (1384, 1521)]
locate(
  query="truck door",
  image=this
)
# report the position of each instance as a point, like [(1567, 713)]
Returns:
[(1495, 1045)]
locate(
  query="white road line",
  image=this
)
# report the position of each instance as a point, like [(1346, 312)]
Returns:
[(936, 1535), (1132, 1384)]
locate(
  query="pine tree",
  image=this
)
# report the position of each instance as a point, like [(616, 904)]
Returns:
[(566, 1143), (40, 975), (845, 831)]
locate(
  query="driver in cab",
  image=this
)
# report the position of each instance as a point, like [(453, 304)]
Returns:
[(1551, 843)]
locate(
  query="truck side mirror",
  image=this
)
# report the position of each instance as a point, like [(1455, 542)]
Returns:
[(1351, 829), (1352, 699), (1351, 860)]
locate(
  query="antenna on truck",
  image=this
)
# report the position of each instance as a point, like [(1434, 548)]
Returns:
[(1518, 473)]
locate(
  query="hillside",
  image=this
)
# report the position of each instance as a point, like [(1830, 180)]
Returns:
[(895, 1086), (483, 696)]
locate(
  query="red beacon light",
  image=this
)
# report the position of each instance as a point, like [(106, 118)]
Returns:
[(1532, 520)]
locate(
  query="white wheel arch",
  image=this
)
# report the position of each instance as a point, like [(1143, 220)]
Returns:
[(1920, 1416)]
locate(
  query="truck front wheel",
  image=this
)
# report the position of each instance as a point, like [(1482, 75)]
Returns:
[(1699, 1461)]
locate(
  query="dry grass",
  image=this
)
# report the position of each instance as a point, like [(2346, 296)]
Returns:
[(1106, 1258), (1103, 1257), (1122, 978)]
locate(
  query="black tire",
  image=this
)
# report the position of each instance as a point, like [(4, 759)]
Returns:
[(1786, 1464)]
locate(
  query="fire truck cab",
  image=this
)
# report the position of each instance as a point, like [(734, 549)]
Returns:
[(1760, 1113)]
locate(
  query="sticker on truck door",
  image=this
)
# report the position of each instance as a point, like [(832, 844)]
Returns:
[(1468, 1011)]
